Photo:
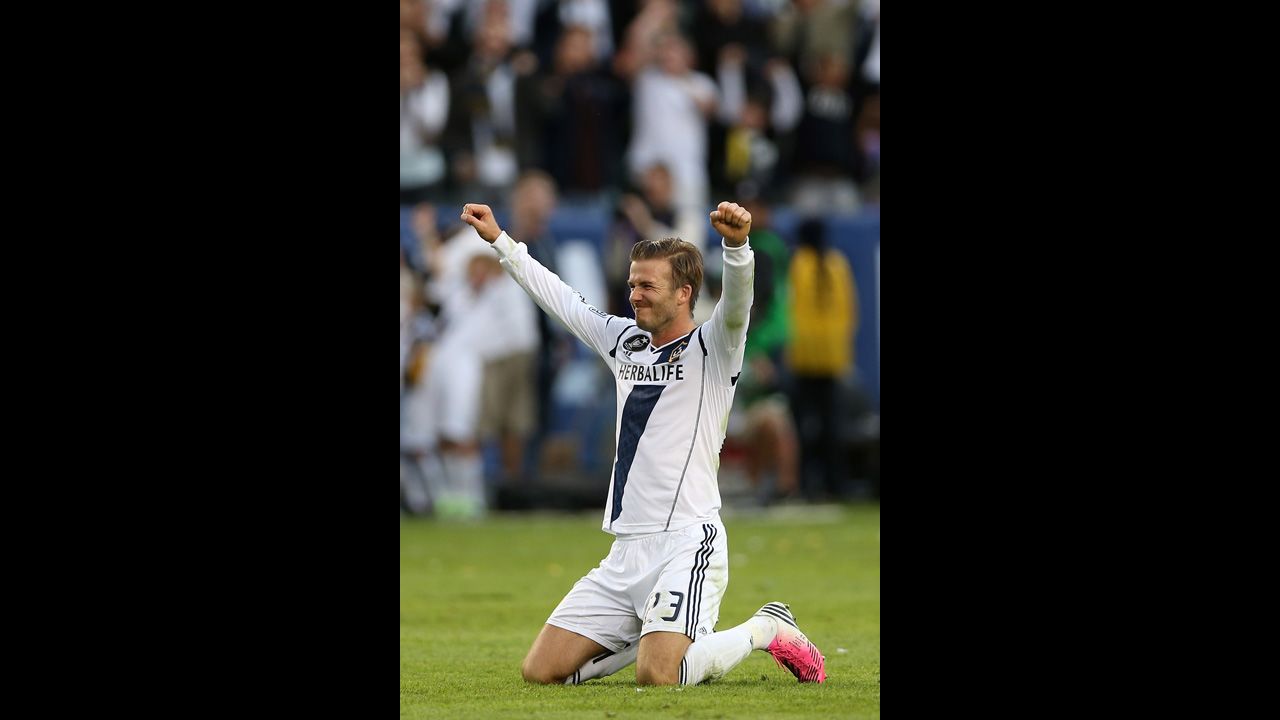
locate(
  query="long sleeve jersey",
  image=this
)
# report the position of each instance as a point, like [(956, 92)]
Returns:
[(673, 401)]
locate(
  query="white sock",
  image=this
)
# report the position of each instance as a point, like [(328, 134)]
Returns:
[(709, 658), (604, 665), (763, 630)]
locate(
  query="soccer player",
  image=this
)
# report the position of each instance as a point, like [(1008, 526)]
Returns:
[(655, 599)]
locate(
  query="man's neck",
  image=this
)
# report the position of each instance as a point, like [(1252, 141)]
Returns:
[(673, 331)]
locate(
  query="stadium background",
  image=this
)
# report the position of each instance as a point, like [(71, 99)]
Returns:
[(516, 566)]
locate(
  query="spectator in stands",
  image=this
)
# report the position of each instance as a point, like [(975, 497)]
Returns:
[(424, 107), (423, 238), (521, 415), (825, 151), (753, 136), (806, 30), (867, 97), (761, 422), (421, 479), (819, 353), (442, 413), (721, 23), (670, 105), (483, 122), (573, 117)]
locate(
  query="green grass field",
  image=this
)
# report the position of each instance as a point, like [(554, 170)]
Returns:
[(472, 598)]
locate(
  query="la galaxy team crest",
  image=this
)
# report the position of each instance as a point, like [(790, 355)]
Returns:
[(675, 354)]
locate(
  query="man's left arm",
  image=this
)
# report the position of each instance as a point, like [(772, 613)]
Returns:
[(728, 324)]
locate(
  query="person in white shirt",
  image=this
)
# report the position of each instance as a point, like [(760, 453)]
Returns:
[(655, 599), (670, 106), (443, 412), (424, 108)]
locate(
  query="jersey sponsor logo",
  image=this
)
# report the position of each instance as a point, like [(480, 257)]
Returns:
[(637, 342), (631, 372)]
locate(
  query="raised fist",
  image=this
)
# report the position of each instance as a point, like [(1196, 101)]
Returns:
[(481, 218), (732, 222)]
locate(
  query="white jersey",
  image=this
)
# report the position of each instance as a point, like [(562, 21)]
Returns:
[(673, 401)]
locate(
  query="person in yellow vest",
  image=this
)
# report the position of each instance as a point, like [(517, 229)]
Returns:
[(824, 318)]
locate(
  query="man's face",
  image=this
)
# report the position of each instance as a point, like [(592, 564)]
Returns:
[(653, 295)]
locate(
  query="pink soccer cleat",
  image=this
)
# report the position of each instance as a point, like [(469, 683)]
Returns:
[(791, 649)]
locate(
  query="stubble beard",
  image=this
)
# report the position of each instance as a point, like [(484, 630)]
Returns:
[(653, 324)]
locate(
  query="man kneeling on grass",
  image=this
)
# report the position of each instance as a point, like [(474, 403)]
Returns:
[(655, 599)]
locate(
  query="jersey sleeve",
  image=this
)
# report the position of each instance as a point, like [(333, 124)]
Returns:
[(593, 327), (727, 328)]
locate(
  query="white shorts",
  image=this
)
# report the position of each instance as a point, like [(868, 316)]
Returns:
[(668, 581)]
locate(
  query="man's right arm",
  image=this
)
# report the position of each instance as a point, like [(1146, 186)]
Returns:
[(552, 294)]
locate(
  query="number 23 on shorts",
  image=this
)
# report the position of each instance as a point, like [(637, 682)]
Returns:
[(656, 610)]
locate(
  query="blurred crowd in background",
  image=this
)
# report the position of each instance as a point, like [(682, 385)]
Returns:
[(590, 124)]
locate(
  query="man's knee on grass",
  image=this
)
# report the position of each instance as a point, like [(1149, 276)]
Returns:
[(657, 674), (534, 672), (658, 662)]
